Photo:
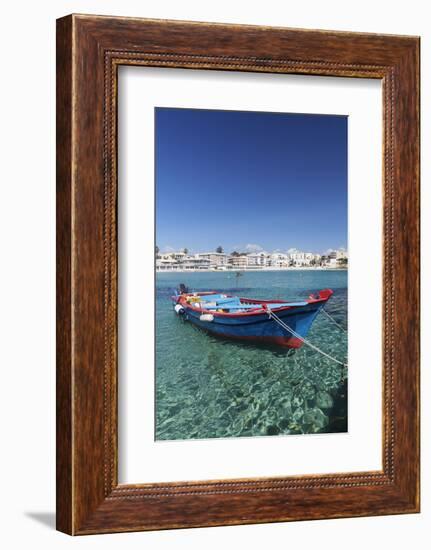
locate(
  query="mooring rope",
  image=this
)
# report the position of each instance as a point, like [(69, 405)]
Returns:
[(312, 346), (323, 310)]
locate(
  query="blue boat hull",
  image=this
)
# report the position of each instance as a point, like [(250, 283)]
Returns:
[(260, 327)]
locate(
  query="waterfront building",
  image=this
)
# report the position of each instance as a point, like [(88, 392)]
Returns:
[(304, 259), (178, 256), (195, 263), (167, 263), (278, 259), (216, 259), (257, 259), (238, 262), (337, 258)]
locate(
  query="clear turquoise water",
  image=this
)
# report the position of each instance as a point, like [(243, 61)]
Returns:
[(208, 387)]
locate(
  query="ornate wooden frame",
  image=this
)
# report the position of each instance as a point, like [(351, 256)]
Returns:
[(89, 51)]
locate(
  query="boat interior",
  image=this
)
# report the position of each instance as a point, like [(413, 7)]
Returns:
[(233, 304)]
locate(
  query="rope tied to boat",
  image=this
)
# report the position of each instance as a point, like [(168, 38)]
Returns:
[(323, 310), (304, 340)]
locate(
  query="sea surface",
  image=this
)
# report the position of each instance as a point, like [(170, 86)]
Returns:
[(208, 387)]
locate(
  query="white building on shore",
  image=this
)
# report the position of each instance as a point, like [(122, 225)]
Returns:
[(304, 259), (337, 258), (279, 260), (195, 263), (216, 259), (257, 259), (238, 262), (166, 263)]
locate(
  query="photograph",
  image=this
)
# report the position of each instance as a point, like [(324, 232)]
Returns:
[(251, 273)]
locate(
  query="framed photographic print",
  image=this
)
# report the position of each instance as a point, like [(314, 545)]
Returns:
[(237, 274)]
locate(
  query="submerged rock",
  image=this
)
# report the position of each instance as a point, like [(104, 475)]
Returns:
[(297, 401), (297, 415), (284, 424), (295, 428), (286, 410), (315, 417), (324, 400), (272, 430), (308, 391)]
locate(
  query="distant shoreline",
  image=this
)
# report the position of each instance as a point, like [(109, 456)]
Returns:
[(252, 270)]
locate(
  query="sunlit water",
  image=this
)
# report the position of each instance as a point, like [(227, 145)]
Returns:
[(209, 387)]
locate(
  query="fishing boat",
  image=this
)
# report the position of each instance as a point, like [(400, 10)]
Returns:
[(262, 321)]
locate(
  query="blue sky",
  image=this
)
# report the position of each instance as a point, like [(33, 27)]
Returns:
[(250, 180)]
